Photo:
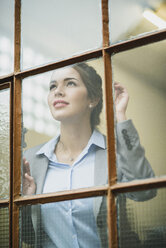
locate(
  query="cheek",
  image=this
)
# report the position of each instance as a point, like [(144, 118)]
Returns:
[(49, 99), (80, 101), (81, 96)]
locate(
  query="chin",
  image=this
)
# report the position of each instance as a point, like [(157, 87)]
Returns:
[(58, 118), (61, 118), (67, 116), (58, 115)]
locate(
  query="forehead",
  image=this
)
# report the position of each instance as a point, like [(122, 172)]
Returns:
[(62, 73)]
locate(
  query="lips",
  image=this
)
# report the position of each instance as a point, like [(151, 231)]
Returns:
[(60, 103)]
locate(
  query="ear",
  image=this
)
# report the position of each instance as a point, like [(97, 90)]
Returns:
[(93, 103)]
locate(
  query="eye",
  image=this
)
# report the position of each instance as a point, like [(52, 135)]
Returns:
[(52, 86), (71, 83)]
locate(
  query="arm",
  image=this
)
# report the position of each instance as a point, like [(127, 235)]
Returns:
[(130, 154), (28, 188), (131, 161), (36, 169)]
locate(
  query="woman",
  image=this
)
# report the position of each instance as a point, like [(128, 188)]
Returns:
[(77, 159)]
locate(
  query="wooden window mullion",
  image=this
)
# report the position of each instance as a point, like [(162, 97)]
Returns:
[(17, 127), (62, 196), (17, 120), (136, 42), (56, 65), (111, 205), (17, 36), (105, 22), (111, 49)]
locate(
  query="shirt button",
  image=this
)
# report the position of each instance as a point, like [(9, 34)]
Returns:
[(127, 141), (130, 147), (125, 136), (124, 131)]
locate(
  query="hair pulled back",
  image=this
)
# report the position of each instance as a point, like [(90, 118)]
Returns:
[(93, 83)]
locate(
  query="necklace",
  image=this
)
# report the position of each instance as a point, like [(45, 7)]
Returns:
[(62, 153)]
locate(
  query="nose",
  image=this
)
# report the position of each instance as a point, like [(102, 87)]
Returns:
[(59, 91)]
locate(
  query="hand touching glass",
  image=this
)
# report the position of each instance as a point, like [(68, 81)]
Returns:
[(29, 186), (121, 101)]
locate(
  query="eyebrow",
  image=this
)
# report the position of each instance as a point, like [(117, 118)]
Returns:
[(66, 79)]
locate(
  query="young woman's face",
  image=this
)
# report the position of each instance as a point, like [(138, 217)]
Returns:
[(68, 97)]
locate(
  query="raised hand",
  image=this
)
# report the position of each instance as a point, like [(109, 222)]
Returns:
[(121, 101), (29, 186)]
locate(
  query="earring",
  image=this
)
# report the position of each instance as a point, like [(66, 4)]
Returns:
[(90, 105)]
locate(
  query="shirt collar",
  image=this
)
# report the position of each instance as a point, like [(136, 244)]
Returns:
[(48, 148), (96, 139)]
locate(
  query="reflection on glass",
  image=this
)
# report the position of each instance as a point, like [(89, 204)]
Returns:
[(64, 109), (130, 18), (142, 72), (142, 224), (83, 221), (4, 143), (66, 28), (4, 227), (6, 36)]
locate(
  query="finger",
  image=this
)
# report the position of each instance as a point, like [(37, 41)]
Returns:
[(29, 178), (121, 90), (118, 84), (26, 167), (118, 91)]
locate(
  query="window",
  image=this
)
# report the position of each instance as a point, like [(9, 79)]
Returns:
[(124, 41)]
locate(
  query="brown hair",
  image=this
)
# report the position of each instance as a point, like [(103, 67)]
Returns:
[(93, 83)]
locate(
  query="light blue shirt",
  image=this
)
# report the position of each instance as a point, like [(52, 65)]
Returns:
[(70, 224)]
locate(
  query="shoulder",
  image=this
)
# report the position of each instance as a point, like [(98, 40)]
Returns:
[(99, 140), (31, 152)]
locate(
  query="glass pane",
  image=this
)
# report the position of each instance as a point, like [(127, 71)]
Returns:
[(131, 18), (142, 72), (6, 37), (75, 223), (4, 227), (67, 117), (142, 224), (4, 143), (66, 28)]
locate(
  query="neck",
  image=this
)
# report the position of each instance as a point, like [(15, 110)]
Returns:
[(75, 137)]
